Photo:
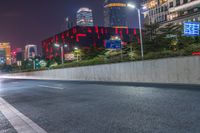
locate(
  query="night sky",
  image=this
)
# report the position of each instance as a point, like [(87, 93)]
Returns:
[(31, 21)]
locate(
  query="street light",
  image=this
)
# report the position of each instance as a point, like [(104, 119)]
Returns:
[(62, 51), (76, 51), (140, 27)]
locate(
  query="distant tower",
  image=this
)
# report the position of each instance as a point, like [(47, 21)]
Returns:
[(115, 13), (30, 51), (68, 23), (84, 17), (5, 53)]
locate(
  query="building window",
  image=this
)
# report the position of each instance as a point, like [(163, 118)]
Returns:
[(185, 1), (171, 4), (162, 9), (177, 2), (166, 8)]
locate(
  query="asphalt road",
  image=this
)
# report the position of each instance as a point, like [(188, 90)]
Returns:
[(83, 107)]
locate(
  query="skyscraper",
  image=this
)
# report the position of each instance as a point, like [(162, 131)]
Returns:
[(115, 13), (84, 17), (171, 11), (5, 53), (30, 51), (68, 23)]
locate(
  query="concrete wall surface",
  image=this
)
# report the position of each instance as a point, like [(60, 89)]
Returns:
[(170, 70)]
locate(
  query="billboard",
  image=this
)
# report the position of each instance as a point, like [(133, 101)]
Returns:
[(192, 28), (69, 57), (113, 44)]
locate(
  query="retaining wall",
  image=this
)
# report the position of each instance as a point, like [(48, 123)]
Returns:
[(171, 70)]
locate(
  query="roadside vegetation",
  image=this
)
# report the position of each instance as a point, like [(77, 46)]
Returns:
[(159, 42)]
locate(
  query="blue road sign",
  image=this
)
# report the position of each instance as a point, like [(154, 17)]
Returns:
[(192, 28), (113, 44)]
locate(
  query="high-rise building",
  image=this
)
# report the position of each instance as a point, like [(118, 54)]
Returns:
[(68, 23), (115, 13), (84, 17), (5, 53), (85, 37), (171, 11), (30, 51), (17, 55)]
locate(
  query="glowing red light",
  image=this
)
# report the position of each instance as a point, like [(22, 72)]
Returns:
[(96, 29), (63, 36), (196, 53), (80, 35), (89, 30), (116, 31), (135, 32)]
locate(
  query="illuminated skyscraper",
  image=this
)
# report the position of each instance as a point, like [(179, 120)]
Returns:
[(171, 11), (84, 17), (30, 51), (115, 13), (5, 53), (68, 23)]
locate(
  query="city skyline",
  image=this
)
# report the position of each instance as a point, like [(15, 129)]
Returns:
[(23, 24)]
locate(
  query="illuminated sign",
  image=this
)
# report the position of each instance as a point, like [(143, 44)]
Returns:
[(116, 5), (196, 53), (191, 28), (113, 44), (69, 57)]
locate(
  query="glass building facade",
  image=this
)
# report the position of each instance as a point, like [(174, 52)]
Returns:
[(5, 53), (115, 13), (84, 17)]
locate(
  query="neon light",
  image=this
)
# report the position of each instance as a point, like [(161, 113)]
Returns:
[(96, 29), (80, 35), (116, 31), (89, 30), (63, 36), (116, 5), (135, 32)]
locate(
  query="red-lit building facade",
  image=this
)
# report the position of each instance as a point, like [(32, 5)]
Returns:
[(84, 38)]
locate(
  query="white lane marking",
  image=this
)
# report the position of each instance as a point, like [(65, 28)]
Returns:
[(20, 122), (52, 87)]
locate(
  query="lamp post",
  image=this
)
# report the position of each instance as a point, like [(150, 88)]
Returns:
[(61, 48), (140, 27), (62, 51), (76, 51)]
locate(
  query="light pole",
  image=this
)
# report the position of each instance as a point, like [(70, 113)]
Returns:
[(140, 27), (76, 51), (62, 54), (62, 51)]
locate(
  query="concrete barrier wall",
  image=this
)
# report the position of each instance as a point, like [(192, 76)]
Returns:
[(171, 70)]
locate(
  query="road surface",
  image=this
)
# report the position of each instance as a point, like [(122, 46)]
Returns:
[(84, 107)]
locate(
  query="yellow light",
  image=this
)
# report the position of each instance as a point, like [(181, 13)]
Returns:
[(116, 5), (152, 4), (123, 27)]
